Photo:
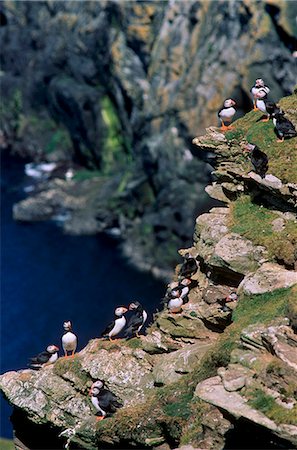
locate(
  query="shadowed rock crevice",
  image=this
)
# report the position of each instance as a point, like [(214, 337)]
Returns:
[(249, 436)]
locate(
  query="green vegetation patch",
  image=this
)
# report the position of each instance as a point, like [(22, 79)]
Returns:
[(265, 403), (282, 155), (72, 365), (6, 444), (254, 222), (116, 149)]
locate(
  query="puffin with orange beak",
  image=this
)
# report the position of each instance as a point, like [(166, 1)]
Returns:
[(69, 339), (117, 325), (103, 400), (259, 85), (226, 113), (49, 356), (136, 321), (259, 159)]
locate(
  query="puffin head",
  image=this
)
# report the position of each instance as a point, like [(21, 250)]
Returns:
[(52, 349), (133, 306), (120, 311), (67, 325), (94, 391), (99, 384), (229, 102), (259, 82)]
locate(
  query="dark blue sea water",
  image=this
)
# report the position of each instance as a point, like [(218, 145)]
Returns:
[(49, 277)]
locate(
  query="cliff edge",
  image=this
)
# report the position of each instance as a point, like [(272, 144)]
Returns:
[(202, 377)]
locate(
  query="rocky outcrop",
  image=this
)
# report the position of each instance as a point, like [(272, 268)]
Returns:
[(197, 374), (233, 388)]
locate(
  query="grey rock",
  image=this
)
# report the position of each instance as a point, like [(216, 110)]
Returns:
[(268, 278)]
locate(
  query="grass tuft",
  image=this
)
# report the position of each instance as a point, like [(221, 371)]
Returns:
[(265, 403), (254, 222)]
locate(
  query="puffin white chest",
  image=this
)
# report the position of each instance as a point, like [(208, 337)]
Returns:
[(175, 303), (261, 105), (255, 91), (69, 341), (227, 113), (95, 403), (53, 358), (144, 317), (118, 326)]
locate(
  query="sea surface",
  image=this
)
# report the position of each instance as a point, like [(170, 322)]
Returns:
[(49, 277)]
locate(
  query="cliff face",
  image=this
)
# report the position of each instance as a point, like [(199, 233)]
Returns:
[(209, 377), (123, 87)]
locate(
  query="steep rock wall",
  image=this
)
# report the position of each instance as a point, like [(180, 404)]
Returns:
[(123, 87)]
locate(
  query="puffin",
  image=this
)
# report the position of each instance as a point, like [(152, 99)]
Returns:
[(283, 127), (49, 356), (117, 325), (264, 105), (189, 266), (259, 159), (226, 113), (69, 339), (136, 321), (259, 84), (103, 400), (176, 301)]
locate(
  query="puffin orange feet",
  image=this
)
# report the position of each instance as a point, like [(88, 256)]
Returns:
[(265, 120), (99, 418), (255, 108), (280, 140)]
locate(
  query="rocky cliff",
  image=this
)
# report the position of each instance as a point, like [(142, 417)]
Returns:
[(121, 88), (209, 377)]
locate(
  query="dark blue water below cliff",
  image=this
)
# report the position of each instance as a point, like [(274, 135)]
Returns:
[(49, 277)]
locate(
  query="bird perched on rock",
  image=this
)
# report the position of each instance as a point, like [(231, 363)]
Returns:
[(103, 400), (284, 128), (189, 266), (69, 339), (117, 325), (176, 300), (136, 321), (259, 84), (259, 159), (49, 356), (264, 105), (226, 113)]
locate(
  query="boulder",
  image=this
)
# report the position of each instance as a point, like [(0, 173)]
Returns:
[(267, 278)]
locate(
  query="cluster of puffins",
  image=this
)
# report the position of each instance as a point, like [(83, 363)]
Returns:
[(283, 127), (177, 292), (103, 400)]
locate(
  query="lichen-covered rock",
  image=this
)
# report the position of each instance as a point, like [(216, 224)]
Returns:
[(268, 278), (213, 391)]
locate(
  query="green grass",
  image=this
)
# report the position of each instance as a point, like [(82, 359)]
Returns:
[(282, 156), (116, 149), (265, 403), (6, 444), (254, 222), (64, 365), (133, 343)]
